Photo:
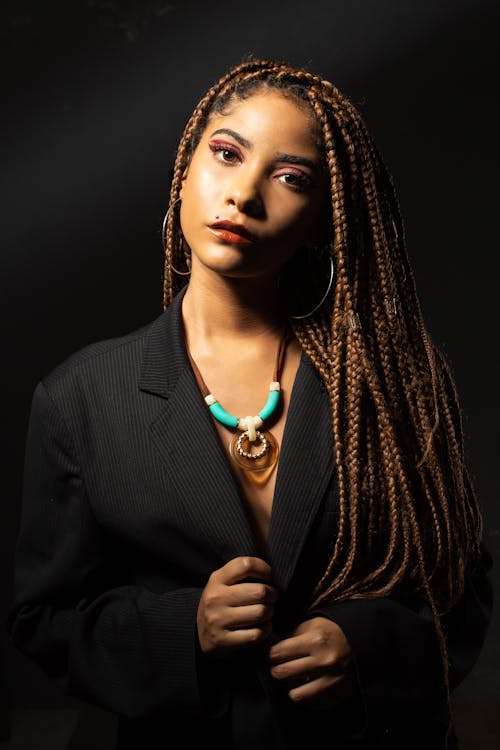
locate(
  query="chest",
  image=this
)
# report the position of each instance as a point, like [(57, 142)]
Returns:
[(258, 498), (158, 477)]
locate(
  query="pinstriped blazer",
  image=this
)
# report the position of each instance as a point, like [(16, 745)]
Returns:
[(129, 504)]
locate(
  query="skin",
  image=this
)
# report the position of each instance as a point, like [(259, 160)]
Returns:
[(233, 288), (231, 304)]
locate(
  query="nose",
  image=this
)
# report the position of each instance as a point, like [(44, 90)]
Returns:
[(243, 191)]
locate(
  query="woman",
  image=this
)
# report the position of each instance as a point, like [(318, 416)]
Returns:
[(310, 573)]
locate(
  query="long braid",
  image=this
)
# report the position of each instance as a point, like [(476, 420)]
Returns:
[(405, 493)]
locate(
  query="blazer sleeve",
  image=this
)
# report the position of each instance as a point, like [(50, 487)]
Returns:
[(396, 651), (122, 647)]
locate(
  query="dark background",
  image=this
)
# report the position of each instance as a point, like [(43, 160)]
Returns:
[(96, 97)]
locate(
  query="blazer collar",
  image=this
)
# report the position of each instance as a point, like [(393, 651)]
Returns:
[(165, 354)]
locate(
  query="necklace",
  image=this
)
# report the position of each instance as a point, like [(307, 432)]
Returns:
[(258, 465)]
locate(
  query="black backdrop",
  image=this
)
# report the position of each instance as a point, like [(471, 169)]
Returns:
[(97, 94)]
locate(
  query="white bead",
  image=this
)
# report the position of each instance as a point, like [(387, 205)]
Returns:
[(274, 386), (210, 399), (244, 423), (251, 428)]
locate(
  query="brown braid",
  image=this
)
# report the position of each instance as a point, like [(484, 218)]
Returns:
[(405, 494)]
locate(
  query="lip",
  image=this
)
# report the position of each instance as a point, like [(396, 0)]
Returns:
[(231, 232)]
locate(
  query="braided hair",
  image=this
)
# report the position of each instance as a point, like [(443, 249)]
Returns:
[(409, 521)]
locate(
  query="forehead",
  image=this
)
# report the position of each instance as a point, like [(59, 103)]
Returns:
[(270, 119)]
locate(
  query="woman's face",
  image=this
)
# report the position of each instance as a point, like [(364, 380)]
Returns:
[(258, 167)]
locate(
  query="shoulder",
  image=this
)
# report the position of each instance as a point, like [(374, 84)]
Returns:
[(110, 360), (114, 375), (89, 354)]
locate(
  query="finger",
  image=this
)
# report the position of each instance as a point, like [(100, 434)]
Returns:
[(295, 669), (321, 691), (274, 638), (247, 636), (244, 567), (289, 648), (249, 616), (251, 593)]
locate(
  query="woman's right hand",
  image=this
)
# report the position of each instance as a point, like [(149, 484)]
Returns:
[(233, 615)]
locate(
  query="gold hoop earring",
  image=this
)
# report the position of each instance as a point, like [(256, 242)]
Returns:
[(164, 240), (325, 295)]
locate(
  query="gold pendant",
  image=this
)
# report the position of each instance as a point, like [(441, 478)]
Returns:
[(256, 470)]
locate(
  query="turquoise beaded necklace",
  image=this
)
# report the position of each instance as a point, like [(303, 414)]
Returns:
[(263, 460)]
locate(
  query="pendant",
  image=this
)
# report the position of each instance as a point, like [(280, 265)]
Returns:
[(257, 470)]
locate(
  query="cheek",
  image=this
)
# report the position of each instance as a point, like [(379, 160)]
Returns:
[(198, 190), (197, 206), (297, 224)]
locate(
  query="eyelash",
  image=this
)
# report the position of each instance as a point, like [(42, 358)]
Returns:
[(303, 181), (219, 147)]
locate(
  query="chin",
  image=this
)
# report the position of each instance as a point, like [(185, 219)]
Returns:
[(234, 261), (233, 270), (229, 259)]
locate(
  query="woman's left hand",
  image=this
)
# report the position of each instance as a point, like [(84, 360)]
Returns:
[(315, 664)]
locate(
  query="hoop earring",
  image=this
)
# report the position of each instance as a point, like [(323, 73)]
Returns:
[(163, 239), (299, 317)]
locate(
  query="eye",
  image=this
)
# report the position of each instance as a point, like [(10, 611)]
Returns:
[(227, 154), (296, 180)]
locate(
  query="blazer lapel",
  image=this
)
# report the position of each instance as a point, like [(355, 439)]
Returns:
[(304, 471), (184, 434)]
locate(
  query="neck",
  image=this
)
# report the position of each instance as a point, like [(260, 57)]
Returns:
[(224, 308)]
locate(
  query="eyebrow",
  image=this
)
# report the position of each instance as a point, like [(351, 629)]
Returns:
[(288, 158), (237, 137)]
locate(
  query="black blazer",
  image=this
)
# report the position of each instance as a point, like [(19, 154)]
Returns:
[(129, 504)]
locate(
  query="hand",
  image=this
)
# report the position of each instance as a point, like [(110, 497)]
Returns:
[(315, 664), (234, 615)]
